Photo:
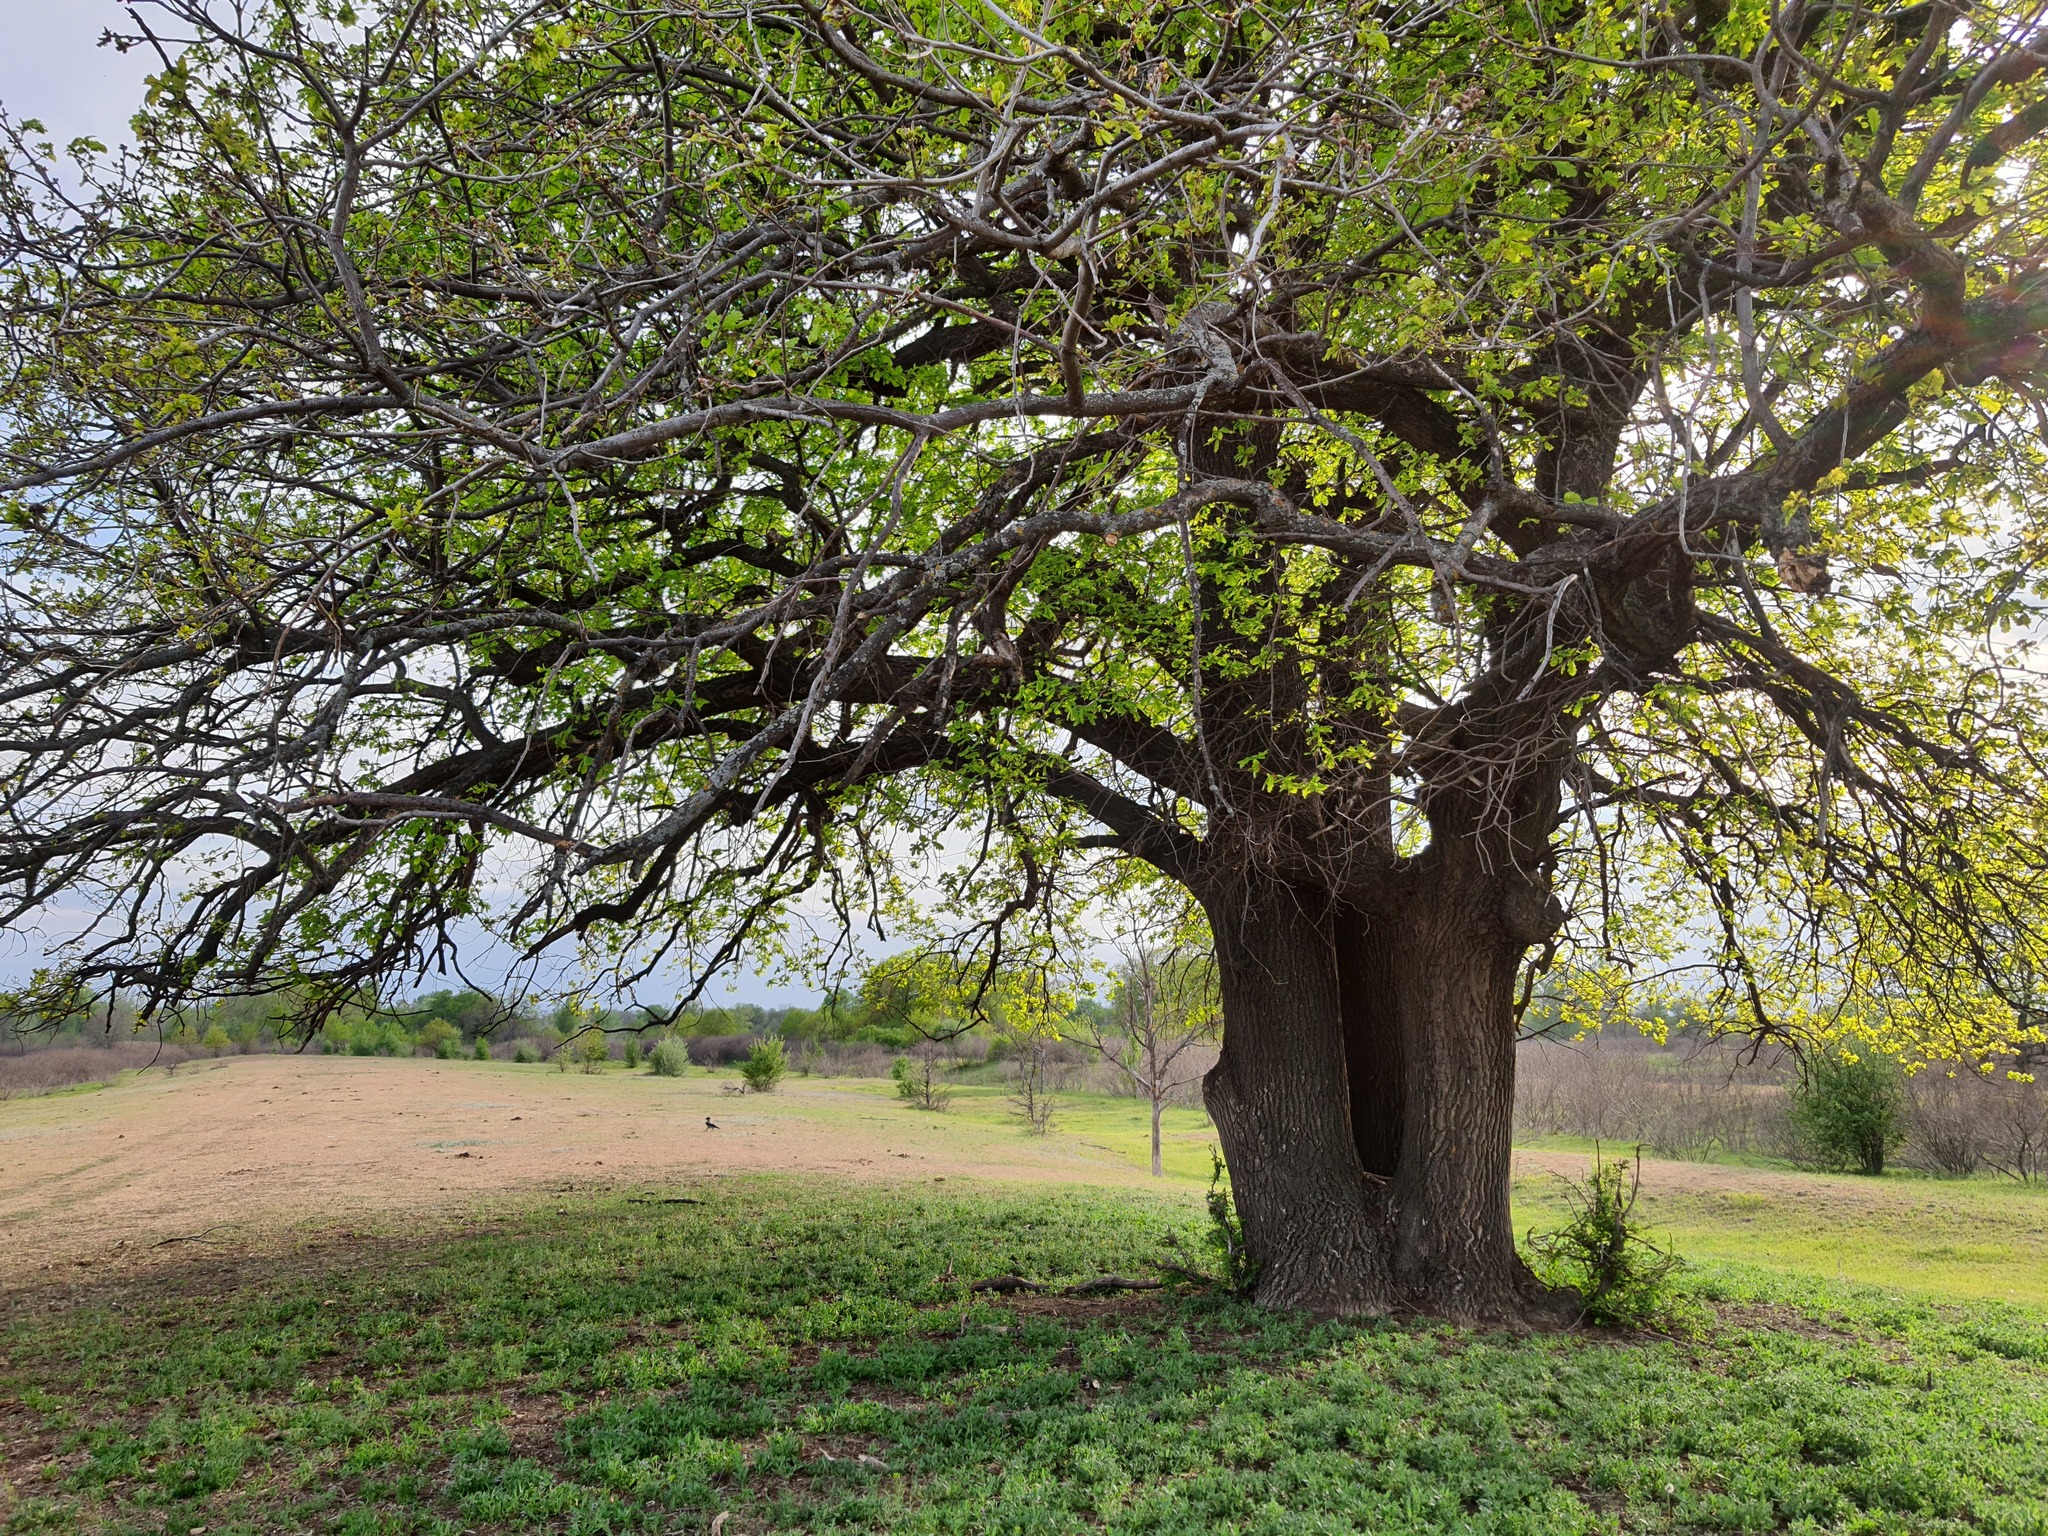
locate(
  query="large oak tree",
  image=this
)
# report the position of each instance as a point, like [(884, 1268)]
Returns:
[(1415, 474)]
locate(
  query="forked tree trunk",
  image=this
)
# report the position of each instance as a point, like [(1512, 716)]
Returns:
[(1365, 1098)]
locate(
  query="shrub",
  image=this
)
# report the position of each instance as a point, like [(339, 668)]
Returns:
[(669, 1058), (764, 1065), (593, 1050), (1031, 1080), (1988, 1116), (216, 1040), (862, 1058), (919, 1079), (526, 1053), (1950, 1132), (62, 1066), (1226, 1230), (483, 1049), (440, 1037), (449, 1049), (1850, 1112), (1621, 1277), (632, 1052)]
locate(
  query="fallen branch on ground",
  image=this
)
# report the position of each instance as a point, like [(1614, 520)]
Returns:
[(1103, 1283)]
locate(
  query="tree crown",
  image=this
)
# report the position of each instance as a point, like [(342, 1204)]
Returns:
[(603, 470)]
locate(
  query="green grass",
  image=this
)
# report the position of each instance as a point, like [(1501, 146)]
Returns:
[(806, 1356), (1981, 1239), (1974, 1239), (1094, 1121)]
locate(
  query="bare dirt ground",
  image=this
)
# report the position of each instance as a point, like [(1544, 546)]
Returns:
[(253, 1149), (255, 1153)]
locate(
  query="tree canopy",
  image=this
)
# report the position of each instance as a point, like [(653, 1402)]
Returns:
[(601, 470)]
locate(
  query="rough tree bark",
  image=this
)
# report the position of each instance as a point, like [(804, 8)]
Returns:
[(1365, 1094)]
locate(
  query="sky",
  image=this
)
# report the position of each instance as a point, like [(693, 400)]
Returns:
[(51, 69)]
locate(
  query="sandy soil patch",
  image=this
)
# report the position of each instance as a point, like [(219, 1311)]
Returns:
[(256, 1148)]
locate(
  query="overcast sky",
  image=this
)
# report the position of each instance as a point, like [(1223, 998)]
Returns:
[(51, 69)]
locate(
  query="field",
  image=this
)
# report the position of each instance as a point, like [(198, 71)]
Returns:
[(360, 1295)]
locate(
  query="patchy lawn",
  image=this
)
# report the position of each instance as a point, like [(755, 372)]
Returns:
[(804, 1355)]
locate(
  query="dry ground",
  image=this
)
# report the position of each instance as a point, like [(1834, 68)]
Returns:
[(249, 1153), (249, 1148)]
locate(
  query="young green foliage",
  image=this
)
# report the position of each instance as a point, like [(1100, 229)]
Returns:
[(1621, 1277)]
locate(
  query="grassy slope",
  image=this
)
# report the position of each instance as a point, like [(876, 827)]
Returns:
[(805, 1355), (1958, 1239), (1982, 1239), (1953, 1239)]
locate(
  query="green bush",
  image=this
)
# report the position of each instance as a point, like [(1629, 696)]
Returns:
[(764, 1065), (216, 1040), (669, 1058), (367, 1037), (593, 1051), (440, 1037), (526, 1053), (632, 1052), (1850, 1112), (1622, 1278), (483, 1049)]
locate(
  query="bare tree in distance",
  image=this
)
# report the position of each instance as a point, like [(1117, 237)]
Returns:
[(1164, 1002), (1032, 1090)]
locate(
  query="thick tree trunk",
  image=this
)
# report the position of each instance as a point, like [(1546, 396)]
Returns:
[(1281, 1104), (1365, 1096)]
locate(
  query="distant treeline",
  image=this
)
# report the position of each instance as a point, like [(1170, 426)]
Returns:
[(452, 1023)]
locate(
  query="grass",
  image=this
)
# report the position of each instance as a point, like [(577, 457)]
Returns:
[(806, 1356), (1981, 1239), (1974, 1239), (1095, 1121)]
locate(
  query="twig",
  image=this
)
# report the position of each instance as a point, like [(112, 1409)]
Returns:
[(192, 1237)]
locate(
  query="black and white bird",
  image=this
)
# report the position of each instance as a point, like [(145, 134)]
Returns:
[(710, 1124)]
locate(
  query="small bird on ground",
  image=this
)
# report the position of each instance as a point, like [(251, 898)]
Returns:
[(710, 1124)]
